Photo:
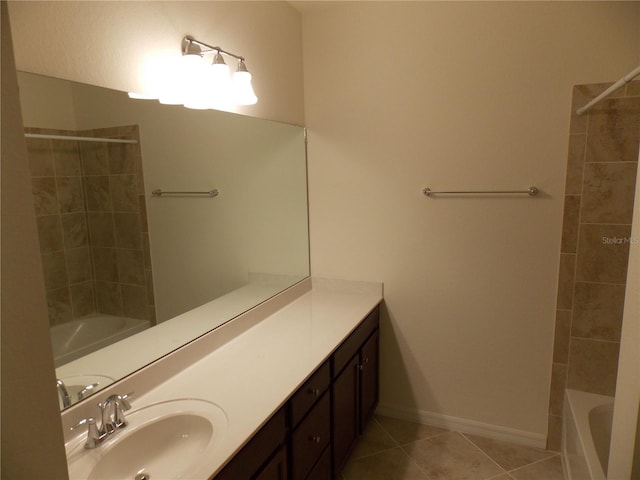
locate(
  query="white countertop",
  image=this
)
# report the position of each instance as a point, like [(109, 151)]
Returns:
[(120, 359), (253, 374)]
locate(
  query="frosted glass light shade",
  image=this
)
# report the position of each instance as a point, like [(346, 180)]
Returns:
[(188, 80), (182, 81), (194, 86), (243, 93), (142, 96)]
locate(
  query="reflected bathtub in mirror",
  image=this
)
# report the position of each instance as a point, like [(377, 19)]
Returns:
[(84, 335)]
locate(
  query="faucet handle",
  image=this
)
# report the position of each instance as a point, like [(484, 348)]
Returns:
[(86, 390), (87, 421), (93, 434), (121, 405), (125, 402)]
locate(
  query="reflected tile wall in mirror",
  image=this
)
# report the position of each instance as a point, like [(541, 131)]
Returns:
[(90, 209)]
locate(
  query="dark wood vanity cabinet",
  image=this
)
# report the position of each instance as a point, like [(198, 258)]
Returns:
[(311, 437), (369, 384), (276, 469), (264, 457), (354, 388), (310, 420)]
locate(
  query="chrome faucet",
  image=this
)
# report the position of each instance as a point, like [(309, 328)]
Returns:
[(112, 418), (63, 393), (112, 410)]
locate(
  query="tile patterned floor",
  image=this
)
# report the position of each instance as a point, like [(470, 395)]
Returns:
[(393, 449)]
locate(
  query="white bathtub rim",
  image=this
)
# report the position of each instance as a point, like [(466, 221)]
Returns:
[(579, 404), (131, 327)]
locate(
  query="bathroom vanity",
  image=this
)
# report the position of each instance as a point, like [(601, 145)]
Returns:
[(293, 389), (312, 435)]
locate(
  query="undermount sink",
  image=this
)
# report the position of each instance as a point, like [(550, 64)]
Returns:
[(167, 440)]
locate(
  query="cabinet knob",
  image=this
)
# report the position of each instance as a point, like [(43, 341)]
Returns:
[(315, 392), (365, 360), (315, 438), (360, 367)]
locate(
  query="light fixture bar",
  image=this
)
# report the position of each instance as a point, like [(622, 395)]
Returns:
[(206, 48)]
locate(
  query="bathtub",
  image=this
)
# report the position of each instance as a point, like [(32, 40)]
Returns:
[(87, 334), (586, 435)]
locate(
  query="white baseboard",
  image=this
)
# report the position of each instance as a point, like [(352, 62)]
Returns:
[(463, 425)]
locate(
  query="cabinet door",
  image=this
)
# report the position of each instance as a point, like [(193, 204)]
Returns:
[(276, 469), (246, 464), (369, 387), (345, 414), (322, 469)]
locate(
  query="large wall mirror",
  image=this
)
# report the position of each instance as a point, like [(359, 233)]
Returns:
[(130, 276)]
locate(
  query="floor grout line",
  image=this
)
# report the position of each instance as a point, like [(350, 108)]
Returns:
[(503, 470), (385, 431), (553, 455), (403, 449), (415, 463), (373, 454)]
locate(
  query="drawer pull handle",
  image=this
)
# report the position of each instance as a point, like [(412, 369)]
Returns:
[(315, 392), (315, 438)]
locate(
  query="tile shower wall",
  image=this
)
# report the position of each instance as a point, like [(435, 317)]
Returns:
[(91, 216), (598, 206)]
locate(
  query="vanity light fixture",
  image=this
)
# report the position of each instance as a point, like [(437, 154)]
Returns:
[(195, 83)]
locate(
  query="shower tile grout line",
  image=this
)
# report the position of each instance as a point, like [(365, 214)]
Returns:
[(565, 381), (595, 340), (595, 283)]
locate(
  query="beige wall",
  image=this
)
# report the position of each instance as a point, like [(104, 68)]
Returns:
[(31, 429), (109, 43), (399, 96), (47, 104)]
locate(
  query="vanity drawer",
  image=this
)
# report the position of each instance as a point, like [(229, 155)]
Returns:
[(248, 461), (310, 439), (352, 344), (309, 393)]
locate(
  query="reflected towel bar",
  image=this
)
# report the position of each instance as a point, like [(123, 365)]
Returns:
[(211, 193), (80, 139), (531, 191)]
